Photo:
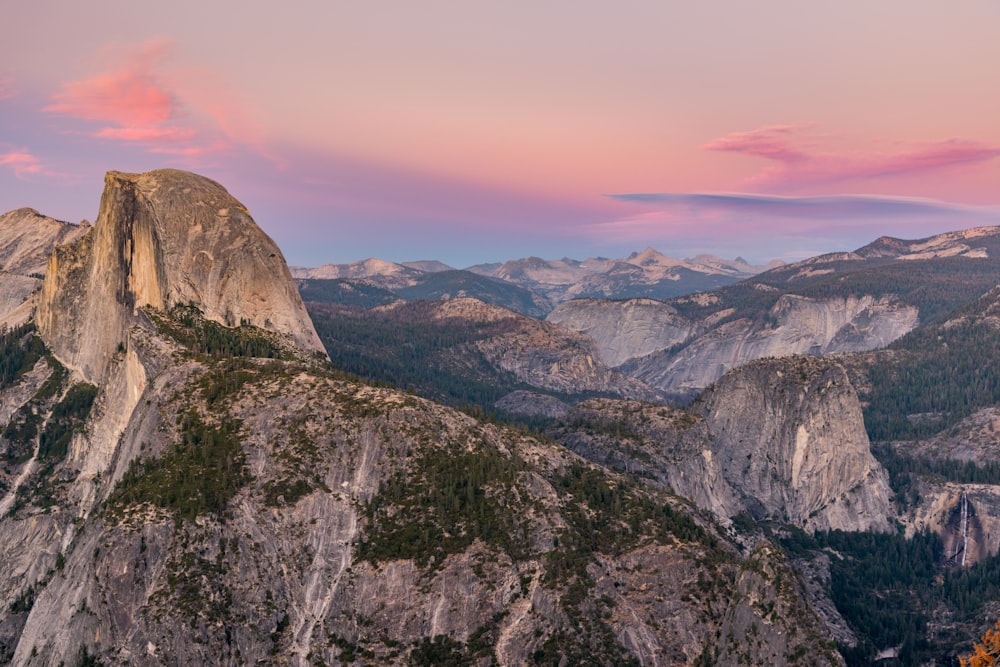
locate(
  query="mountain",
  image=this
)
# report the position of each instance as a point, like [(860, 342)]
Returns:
[(533, 285), (27, 239), (388, 275), (465, 284), (836, 303), (344, 292), (93, 289), (187, 480), (808, 463), (642, 274), (429, 266)]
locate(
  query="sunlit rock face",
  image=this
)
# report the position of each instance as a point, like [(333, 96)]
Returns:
[(652, 341), (163, 238), (790, 437)]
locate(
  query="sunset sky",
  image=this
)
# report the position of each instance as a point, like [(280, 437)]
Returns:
[(472, 131)]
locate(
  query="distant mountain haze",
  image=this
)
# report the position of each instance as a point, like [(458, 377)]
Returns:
[(546, 283)]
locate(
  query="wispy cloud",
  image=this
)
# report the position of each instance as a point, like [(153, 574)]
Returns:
[(23, 163), (774, 142), (831, 207), (135, 105), (735, 216), (800, 159)]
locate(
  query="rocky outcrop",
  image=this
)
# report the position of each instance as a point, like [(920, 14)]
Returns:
[(27, 239), (779, 439), (794, 325), (973, 243), (163, 238), (625, 330), (668, 445), (790, 439), (966, 516)]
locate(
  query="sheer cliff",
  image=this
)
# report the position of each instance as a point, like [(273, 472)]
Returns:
[(779, 439), (164, 238), (680, 353), (791, 437)]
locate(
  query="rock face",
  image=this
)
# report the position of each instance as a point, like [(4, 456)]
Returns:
[(668, 445), (655, 343), (791, 439), (163, 238), (543, 355), (779, 439), (966, 516), (625, 330), (801, 326), (27, 239)]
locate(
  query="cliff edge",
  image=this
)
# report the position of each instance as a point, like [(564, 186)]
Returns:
[(163, 238)]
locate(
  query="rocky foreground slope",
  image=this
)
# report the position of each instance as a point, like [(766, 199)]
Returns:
[(203, 488)]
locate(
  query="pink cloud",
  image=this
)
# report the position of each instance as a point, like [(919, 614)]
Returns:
[(190, 150), (771, 142), (136, 105), (23, 163), (799, 163), (131, 96), (147, 134), (7, 90)]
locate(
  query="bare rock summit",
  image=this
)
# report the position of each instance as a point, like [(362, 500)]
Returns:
[(163, 238)]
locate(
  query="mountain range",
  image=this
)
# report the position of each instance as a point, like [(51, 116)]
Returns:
[(206, 460), (532, 286)]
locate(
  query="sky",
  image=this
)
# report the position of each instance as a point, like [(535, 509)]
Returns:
[(474, 131)]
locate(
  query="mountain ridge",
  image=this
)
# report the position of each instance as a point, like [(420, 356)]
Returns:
[(646, 273)]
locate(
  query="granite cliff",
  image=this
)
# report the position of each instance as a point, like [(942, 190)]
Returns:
[(27, 239), (791, 438), (161, 239), (654, 342), (779, 439)]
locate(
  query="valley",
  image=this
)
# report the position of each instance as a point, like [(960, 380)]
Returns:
[(209, 458)]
